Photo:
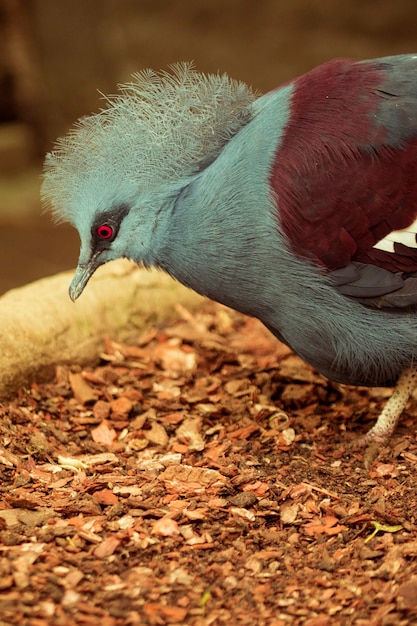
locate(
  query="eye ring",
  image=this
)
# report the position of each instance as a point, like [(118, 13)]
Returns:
[(105, 231)]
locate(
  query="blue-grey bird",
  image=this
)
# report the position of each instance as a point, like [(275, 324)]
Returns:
[(298, 207)]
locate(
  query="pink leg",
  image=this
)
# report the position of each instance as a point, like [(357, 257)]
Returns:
[(388, 419)]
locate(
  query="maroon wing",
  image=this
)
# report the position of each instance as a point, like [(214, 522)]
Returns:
[(345, 174)]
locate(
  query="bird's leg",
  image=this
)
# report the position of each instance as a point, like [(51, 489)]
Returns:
[(387, 420)]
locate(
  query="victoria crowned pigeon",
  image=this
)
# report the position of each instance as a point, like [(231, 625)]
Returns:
[(298, 207)]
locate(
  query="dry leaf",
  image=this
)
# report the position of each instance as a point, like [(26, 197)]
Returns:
[(165, 527), (82, 391), (157, 434), (188, 479), (288, 512), (103, 434), (107, 547), (327, 525), (240, 512), (190, 430), (121, 406), (105, 496)]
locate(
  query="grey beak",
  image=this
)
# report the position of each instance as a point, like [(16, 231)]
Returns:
[(82, 275)]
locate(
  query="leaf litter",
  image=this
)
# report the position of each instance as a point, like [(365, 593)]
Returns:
[(203, 475)]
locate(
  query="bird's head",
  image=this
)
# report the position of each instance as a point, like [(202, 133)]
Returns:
[(117, 171)]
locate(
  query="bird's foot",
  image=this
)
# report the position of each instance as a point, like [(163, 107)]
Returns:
[(373, 444), (379, 435)]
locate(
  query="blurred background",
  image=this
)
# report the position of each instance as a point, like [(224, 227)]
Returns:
[(56, 56)]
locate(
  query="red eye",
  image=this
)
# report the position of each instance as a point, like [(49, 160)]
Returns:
[(105, 231)]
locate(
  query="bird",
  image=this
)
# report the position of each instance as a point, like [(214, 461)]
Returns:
[(297, 206)]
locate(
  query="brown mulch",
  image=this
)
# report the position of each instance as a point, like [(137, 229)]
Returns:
[(203, 476)]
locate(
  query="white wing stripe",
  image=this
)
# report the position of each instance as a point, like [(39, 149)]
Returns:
[(406, 236), (385, 245)]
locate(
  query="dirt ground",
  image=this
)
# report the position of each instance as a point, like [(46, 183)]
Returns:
[(204, 475)]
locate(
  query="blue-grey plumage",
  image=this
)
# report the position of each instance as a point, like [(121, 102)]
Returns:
[(252, 200)]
